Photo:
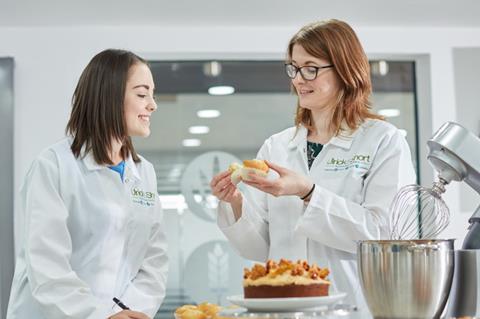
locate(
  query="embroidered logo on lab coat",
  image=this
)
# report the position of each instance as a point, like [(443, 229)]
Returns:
[(341, 164), (143, 198)]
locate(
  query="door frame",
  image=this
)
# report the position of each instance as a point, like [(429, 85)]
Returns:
[(6, 181)]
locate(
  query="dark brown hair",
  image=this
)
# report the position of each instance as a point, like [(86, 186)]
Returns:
[(97, 114), (336, 42)]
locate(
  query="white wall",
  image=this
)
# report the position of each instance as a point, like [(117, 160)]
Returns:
[(48, 62)]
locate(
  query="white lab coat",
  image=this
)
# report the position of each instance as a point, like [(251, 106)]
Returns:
[(356, 178), (87, 237)]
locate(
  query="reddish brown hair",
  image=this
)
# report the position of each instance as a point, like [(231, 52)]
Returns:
[(336, 42), (97, 114)]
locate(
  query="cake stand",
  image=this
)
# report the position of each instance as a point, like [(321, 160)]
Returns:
[(330, 312)]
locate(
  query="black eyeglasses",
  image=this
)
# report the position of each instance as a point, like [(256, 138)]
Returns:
[(307, 72)]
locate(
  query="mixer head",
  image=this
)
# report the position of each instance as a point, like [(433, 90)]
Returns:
[(453, 153)]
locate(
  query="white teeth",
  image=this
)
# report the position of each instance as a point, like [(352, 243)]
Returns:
[(144, 118)]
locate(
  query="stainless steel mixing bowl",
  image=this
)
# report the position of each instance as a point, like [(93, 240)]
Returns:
[(406, 279)]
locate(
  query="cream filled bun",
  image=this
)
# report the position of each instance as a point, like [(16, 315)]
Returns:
[(240, 172)]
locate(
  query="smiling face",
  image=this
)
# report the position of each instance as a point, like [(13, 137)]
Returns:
[(320, 93), (139, 100)]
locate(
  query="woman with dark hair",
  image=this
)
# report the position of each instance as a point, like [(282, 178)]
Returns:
[(335, 172), (93, 227)]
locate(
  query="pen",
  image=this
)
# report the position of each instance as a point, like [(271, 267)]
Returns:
[(120, 304)]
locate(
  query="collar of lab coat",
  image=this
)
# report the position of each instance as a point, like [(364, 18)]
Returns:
[(344, 140), (130, 166)]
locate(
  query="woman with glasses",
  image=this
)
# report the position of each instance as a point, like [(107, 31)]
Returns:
[(333, 175)]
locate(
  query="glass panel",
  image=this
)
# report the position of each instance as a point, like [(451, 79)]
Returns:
[(203, 266), (394, 97)]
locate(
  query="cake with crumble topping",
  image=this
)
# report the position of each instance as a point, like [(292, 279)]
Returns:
[(285, 279)]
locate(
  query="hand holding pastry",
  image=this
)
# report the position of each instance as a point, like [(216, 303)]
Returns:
[(288, 182), (223, 188)]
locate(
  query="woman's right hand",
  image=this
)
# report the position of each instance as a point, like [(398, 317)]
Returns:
[(223, 188), (129, 314)]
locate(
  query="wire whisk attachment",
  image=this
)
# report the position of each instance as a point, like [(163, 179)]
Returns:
[(419, 212)]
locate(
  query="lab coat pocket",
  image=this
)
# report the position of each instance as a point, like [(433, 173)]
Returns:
[(140, 223), (355, 184), (142, 218)]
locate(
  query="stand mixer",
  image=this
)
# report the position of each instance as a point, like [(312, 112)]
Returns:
[(454, 152)]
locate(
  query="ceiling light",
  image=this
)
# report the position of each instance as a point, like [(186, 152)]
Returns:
[(198, 129), (212, 68), (379, 68), (191, 142), (221, 90), (382, 67), (208, 114), (389, 112)]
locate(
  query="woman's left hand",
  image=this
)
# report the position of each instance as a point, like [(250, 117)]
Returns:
[(288, 182)]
